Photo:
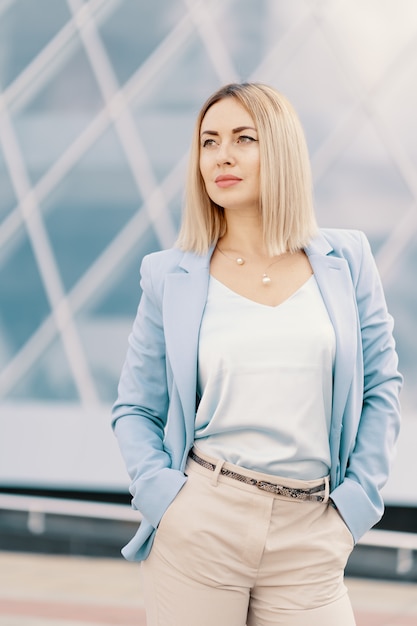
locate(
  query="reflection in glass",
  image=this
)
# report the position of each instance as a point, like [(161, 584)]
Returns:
[(23, 302), (48, 379), (89, 206), (57, 114), (135, 30), (25, 29)]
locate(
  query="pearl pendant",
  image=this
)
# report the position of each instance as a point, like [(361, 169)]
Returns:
[(265, 279), (240, 261)]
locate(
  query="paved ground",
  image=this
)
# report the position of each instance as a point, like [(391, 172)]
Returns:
[(45, 590)]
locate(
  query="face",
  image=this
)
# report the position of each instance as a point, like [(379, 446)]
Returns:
[(229, 156)]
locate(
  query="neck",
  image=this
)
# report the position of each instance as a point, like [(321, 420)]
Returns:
[(243, 235)]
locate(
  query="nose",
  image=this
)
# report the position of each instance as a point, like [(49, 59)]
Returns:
[(224, 154)]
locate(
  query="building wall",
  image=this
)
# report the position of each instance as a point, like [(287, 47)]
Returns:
[(96, 113)]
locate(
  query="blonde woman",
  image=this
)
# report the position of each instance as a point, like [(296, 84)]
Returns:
[(258, 404)]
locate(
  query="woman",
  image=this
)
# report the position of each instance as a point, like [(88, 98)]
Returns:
[(258, 404)]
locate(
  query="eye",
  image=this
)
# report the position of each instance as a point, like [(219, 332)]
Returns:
[(207, 143), (246, 139)]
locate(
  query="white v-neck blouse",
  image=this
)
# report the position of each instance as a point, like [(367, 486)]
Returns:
[(265, 381)]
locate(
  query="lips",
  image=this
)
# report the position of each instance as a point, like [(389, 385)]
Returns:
[(227, 180)]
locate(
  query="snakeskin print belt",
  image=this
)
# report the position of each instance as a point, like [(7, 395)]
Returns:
[(314, 494)]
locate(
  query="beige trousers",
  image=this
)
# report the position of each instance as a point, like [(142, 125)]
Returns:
[(228, 554)]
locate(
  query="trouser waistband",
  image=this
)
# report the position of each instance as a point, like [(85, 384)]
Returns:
[(319, 492)]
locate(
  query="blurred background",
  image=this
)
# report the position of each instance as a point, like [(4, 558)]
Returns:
[(97, 105)]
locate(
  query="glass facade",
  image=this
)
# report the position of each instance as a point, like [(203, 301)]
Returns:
[(98, 100)]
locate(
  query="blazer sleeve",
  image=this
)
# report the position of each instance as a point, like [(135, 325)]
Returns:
[(140, 411), (358, 497)]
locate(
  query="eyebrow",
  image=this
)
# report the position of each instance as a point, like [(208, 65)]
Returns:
[(239, 129)]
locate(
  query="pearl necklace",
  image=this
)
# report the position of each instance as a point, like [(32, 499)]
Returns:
[(266, 280)]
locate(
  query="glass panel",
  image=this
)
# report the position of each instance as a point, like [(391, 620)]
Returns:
[(135, 30), (371, 39), (402, 301), (89, 207), (362, 188), (166, 135), (321, 104), (7, 195), (59, 112), (259, 27), (49, 379), (25, 28), (119, 295), (106, 344), (105, 323), (398, 105), (23, 302), (176, 207)]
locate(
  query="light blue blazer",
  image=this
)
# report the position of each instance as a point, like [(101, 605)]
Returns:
[(153, 417)]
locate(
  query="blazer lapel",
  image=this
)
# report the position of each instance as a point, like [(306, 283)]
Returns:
[(185, 297), (335, 283)]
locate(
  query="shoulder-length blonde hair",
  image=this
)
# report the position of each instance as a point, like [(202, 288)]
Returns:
[(286, 201)]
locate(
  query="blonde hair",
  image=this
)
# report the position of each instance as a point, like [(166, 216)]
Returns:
[(286, 202)]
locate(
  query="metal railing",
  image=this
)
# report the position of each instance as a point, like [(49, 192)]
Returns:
[(404, 543), (38, 508)]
